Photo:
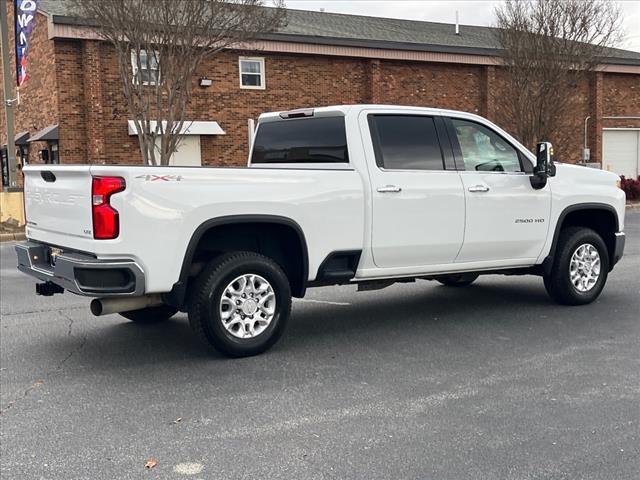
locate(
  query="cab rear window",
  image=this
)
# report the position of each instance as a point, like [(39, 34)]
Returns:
[(301, 140)]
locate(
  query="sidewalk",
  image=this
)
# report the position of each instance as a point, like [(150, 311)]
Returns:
[(9, 232), (10, 237), (6, 236)]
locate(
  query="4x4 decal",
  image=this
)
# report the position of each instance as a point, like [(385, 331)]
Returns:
[(160, 178)]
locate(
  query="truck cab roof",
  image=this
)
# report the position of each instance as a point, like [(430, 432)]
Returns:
[(343, 110)]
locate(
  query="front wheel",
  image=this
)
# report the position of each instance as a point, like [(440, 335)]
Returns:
[(580, 267), (240, 304)]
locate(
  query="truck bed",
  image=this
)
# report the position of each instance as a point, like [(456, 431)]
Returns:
[(162, 207)]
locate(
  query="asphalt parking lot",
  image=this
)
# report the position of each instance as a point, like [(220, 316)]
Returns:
[(417, 381)]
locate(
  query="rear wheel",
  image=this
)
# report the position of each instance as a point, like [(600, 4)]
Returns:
[(150, 314), (458, 279), (580, 267), (240, 304)]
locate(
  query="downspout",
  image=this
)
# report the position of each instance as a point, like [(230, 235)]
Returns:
[(586, 123)]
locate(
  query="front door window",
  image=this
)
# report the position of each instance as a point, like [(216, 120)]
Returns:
[(484, 150)]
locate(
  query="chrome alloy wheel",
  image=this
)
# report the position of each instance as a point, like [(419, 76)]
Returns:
[(584, 268), (247, 306)]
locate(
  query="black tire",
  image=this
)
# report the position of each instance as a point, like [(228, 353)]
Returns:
[(558, 283), (205, 295), (151, 314), (458, 279)]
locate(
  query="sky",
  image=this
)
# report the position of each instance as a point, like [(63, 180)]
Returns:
[(472, 12)]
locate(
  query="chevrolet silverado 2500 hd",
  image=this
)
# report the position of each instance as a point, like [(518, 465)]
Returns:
[(363, 194)]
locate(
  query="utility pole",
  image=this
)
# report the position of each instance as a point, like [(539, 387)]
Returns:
[(8, 102)]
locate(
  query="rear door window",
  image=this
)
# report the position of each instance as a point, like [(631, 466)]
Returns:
[(301, 140), (406, 142)]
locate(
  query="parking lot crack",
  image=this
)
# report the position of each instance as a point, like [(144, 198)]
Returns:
[(83, 341), (39, 382)]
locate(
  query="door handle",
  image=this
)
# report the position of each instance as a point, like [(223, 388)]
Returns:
[(389, 189), (479, 188)]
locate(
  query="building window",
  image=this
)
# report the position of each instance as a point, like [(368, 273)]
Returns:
[(252, 73), (149, 70)]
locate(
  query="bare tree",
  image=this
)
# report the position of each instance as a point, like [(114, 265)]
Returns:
[(159, 45), (548, 47)]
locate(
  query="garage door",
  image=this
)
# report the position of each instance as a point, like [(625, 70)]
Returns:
[(187, 152), (621, 152)]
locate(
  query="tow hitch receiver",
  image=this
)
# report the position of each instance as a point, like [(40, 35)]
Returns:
[(48, 289)]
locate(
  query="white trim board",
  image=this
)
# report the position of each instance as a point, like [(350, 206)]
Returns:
[(188, 128)]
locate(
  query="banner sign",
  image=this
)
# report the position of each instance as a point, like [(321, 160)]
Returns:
[(25, 13)]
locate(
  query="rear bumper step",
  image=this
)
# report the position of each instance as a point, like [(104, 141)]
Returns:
[(80, 273)]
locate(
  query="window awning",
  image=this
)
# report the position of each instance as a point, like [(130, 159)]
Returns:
[(49, 133), (188, 128), (20, 139)]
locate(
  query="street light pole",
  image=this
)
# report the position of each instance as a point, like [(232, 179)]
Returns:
[(8, 90)]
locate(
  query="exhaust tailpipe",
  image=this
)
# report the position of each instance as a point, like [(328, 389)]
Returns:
[(106, 306)]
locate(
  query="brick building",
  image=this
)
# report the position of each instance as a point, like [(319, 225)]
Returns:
[(72, 109)]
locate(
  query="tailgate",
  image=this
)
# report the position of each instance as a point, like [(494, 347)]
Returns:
[(58, 200)]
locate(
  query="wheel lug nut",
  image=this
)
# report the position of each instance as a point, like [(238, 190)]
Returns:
[(237, 302), (244, 295)]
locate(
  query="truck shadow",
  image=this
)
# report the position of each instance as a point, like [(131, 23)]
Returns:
[(419, 309), (417, 314)]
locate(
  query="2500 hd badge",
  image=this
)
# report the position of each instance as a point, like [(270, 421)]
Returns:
[(529, 220)]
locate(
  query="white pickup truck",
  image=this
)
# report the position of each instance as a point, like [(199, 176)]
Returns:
[(365, 194)]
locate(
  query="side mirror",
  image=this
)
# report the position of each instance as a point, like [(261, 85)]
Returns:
[(544, 165)]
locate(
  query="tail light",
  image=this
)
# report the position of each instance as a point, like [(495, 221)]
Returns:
[(106, 221)]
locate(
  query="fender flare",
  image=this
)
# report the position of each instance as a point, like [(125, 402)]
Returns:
[(548, 261), (178, 293)]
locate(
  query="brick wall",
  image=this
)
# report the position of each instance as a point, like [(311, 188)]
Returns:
[(569, 140), (73, 109), (431, 85), (621, 97)]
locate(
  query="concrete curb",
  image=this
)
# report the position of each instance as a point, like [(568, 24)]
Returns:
[(633, 206), (10, 237)]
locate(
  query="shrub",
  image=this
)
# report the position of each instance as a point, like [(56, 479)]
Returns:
[(631, 187)]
